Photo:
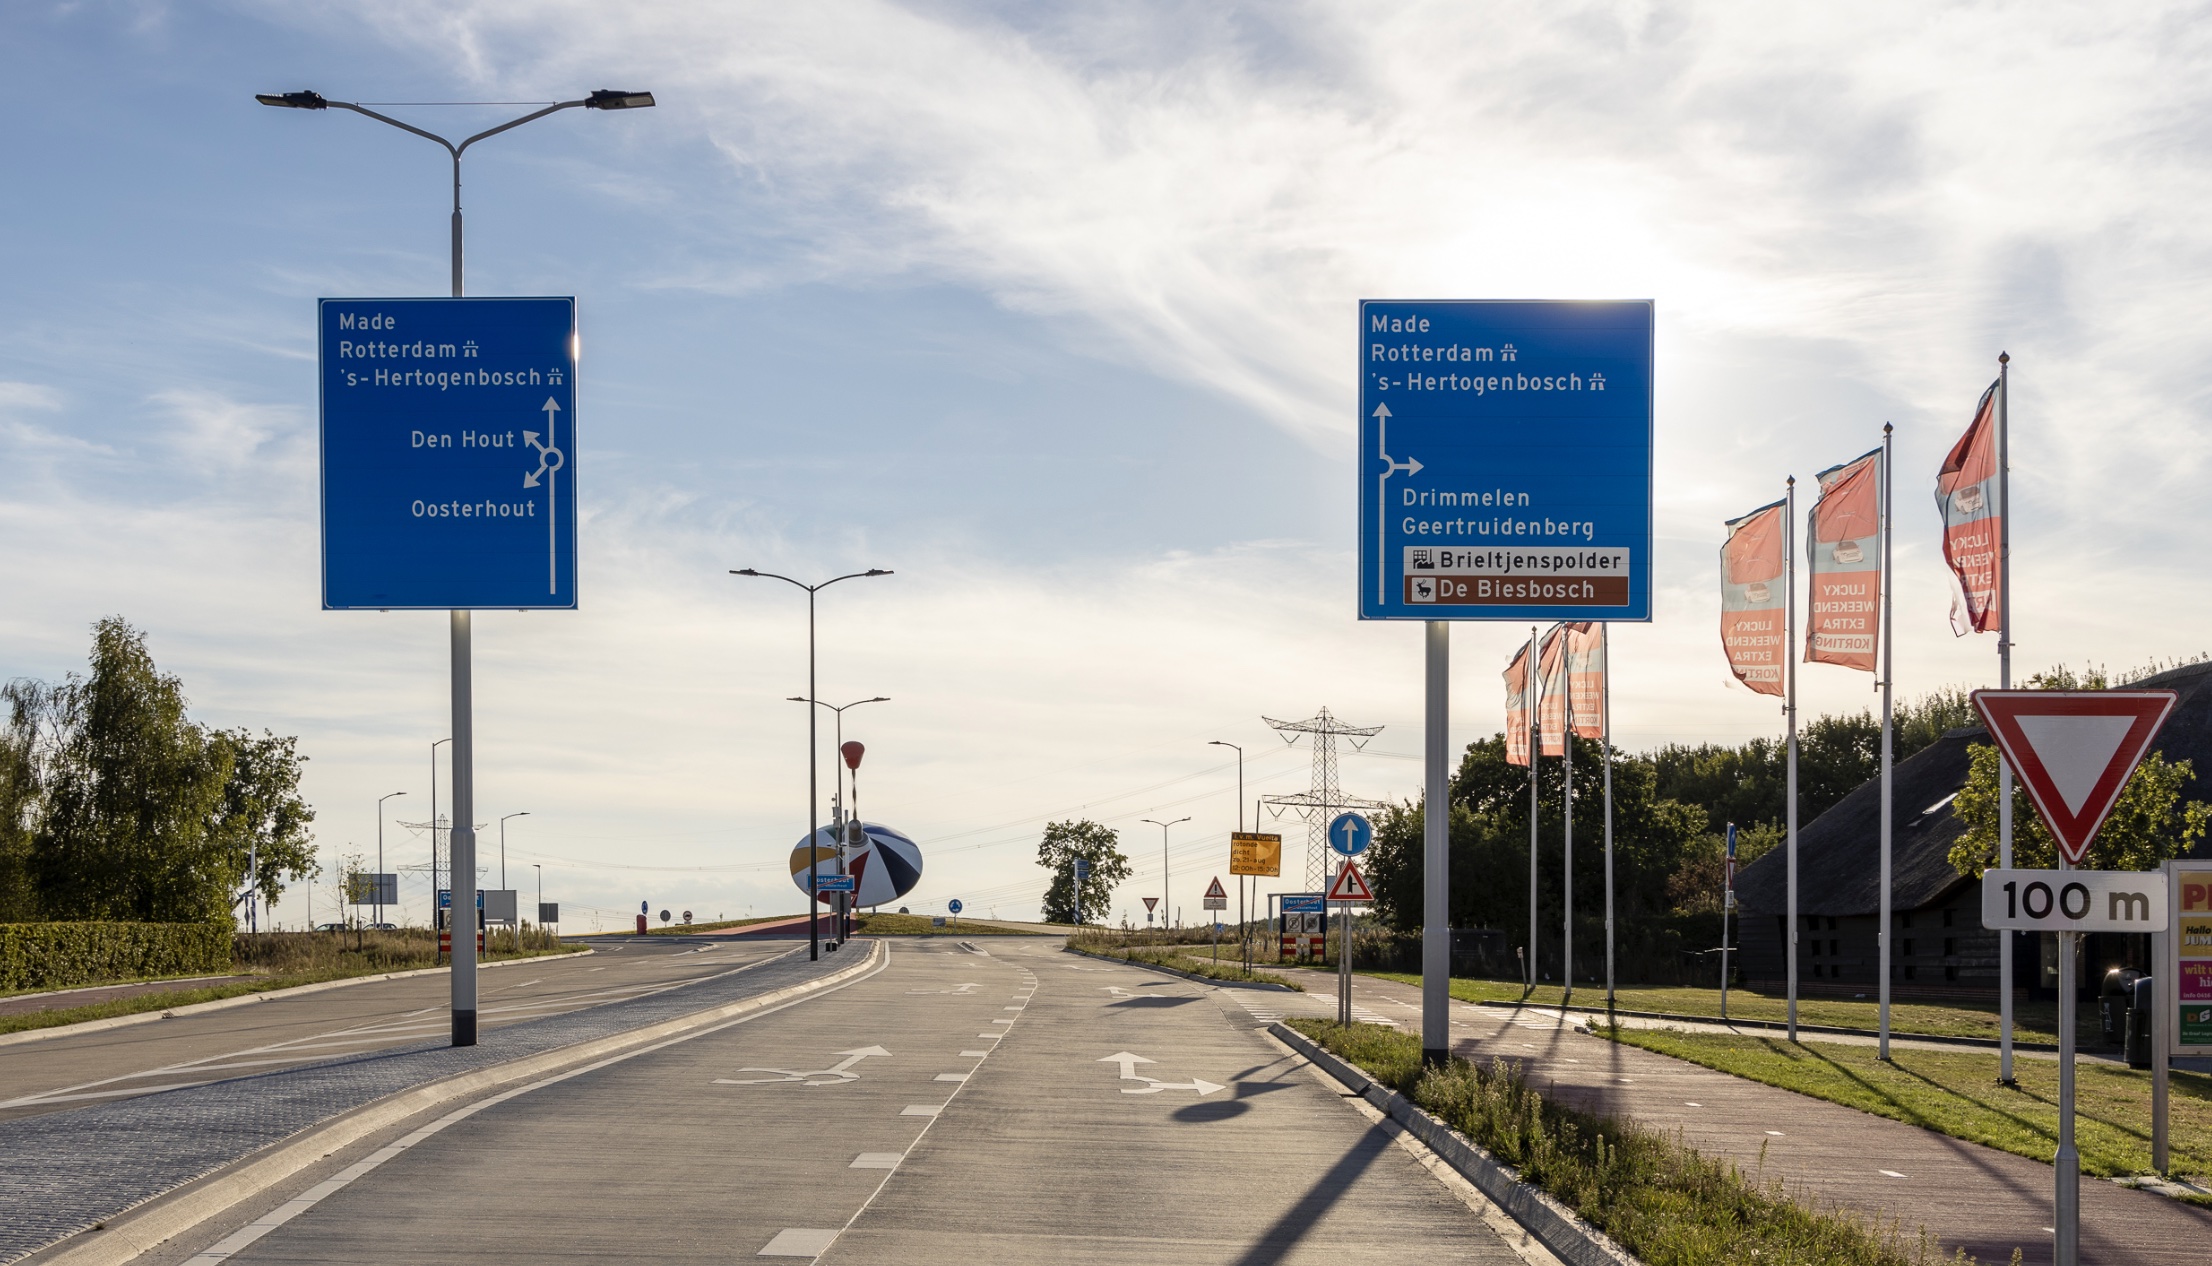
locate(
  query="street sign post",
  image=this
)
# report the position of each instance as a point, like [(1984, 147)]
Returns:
[(1082, 872), (1504, 473), (1149, 902), (448, 453), (1349, 834), (2074, 751), (1347, 889)]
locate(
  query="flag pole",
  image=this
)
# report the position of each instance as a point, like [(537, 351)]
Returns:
[(2004, 682), (1567, 813), (1789, 665), (1888, 693), (1534, 755), (1605, 704)]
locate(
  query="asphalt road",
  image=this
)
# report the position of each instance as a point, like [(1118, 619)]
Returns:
[(293, 1029), (990, 1101)]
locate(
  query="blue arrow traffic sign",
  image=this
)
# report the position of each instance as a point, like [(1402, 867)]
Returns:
[(1349, 834), (954, 905), (1505, 460), (448, 453)]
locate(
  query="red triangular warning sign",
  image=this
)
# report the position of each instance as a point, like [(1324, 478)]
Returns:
[(1215, 892), (2074, 750), (1350, 885), (1150, 902)]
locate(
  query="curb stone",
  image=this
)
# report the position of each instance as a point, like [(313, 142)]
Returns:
[(1187, 975), (1556, 1226)]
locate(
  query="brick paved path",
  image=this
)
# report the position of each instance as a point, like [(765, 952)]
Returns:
[(63, 1171), (1969, 1196)]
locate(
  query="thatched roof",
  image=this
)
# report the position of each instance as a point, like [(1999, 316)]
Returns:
[(1839, 853)]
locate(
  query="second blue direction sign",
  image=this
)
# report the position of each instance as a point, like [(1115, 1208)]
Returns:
[(449, 453), (1505, 460)]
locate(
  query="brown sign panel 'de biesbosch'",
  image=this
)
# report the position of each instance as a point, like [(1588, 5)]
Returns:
[(2074, 750)]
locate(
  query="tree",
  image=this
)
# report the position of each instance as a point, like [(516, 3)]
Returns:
[(1063, 842), (261, 823), (19, 797), (2150, 823)]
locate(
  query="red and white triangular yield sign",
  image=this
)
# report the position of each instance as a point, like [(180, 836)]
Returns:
[(1150, 902), (1215, 892), (2074, 750), (1350, 885)]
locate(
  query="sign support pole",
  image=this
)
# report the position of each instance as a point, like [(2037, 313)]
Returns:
[(1436, 841), (463, 835), (1567, 819), (1789, 665), (1535, 755), (1605, 685), (2004, 682), (2162, 1007), (2066, 1166), (1889, 654)]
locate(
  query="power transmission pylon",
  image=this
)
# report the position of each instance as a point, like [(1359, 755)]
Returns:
[(1324, 801)]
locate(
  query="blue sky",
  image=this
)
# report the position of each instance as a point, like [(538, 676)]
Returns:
[(1050, 310)]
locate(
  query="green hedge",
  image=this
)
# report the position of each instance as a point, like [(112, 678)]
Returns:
[(63, 955)]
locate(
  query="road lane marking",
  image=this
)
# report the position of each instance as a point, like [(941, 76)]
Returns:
[(877, 1160), (837, 1074), (799, 1241), (1153, 1085), (922, 1110), (952, 1077), (1890, 1173), (973, 1054)]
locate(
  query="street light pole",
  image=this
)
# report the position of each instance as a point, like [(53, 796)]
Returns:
[(540, 868), (840, 711), (813, 778), (1243, 932), (1164, 907), (464, 755), (434, 915), (503, 845), (380, 852)]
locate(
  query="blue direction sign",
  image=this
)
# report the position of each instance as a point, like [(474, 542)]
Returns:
[(445, 899), (449, 453), (1082, 868), (1505, 460), (836, 883), (1349, 834), (1304, 903), (954, 905)]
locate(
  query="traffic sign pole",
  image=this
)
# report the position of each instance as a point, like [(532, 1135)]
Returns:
[(2066, 1166), (1436, 850)]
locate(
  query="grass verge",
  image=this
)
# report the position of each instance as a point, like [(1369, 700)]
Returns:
[(2032, 1021), (1956, 1093), (687, 929), (1662, 1201), (298, 969), (1180, 958)]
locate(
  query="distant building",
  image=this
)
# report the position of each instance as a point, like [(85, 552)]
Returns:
[(1939, 946)]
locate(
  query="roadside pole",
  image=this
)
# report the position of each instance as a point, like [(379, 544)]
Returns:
[(1789, 665), (1535, 754), (2004, 682), (1727, 904), (1889, 653), (2066, 1166), (1436, 841), (2162, 1006)]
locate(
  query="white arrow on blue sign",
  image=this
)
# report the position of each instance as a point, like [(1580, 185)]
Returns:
[(1350, 833)]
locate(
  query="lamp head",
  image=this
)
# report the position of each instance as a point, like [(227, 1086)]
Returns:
[(743, 571), (796, 698), (876, 571), (301, 100), (609, 99)]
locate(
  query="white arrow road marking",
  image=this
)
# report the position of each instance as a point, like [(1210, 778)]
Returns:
[(835, 1075), (1153, 1085)]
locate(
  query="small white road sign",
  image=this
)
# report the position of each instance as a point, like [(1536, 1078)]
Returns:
[(2074, 900)]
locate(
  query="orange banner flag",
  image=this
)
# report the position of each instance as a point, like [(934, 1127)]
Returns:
[(1844, 545), (1752, 595), (1516, 708), (1966, 497)]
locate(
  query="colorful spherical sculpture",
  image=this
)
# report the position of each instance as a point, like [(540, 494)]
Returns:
[(887, 866)]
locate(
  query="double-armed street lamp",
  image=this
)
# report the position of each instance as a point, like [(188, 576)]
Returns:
[(1164, 906), (503, 845), (813, 780), (463, 841)]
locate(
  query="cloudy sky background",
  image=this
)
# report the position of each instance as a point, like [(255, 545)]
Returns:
[(1051, 310)]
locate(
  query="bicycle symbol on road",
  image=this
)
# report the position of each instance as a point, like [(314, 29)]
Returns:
[(837, 1074)]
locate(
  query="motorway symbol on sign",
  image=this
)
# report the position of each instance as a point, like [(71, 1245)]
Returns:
[(2074, 900), (835, 883), (835, 1075), (1505, 460), (1349, 834), (448, 453), (1150, 902), (1350, 885), (954, 905), (2074, 750), (1153, 1085)]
